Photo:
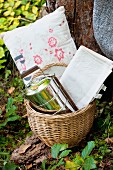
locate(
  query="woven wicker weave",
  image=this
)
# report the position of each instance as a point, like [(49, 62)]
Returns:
[(68, 128)]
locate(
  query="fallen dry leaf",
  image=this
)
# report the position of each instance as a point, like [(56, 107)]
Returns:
[(102, 164), (11, 90), (23, 148), (41, 159), (2, 107), (109, 140), (49, 156), (66, 159), (28, 166)]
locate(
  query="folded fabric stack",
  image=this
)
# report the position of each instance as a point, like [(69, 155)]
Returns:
[(85, 75)]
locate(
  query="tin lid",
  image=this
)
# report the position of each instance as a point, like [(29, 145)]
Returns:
[(36, 87)]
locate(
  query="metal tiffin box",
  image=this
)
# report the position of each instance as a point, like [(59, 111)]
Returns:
[(47, 92)]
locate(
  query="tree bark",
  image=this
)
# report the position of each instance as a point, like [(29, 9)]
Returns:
[(31, 154), (79, 15)]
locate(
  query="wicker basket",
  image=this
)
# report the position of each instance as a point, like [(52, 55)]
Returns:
[(68, 128)]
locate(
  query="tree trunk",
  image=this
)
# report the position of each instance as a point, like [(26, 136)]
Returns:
[(79, 15)]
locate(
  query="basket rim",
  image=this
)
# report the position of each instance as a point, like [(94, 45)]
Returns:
[(53, 116)]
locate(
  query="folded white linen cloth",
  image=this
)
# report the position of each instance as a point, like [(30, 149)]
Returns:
[(85, 75)]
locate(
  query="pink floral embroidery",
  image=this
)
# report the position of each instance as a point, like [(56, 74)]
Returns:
[(50, 30), (37, 59), (46, 49), (52, 42), (21, 51), (21, 60), (51, 52), (30, 46), (59, 53), (23, 67), (61, 23)]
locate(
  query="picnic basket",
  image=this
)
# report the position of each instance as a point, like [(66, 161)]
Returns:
[(68, 128)]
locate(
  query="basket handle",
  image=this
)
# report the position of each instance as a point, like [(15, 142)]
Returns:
[(41, 71), (29, 71), (34, 68)]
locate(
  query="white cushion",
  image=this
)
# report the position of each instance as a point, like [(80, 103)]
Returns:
[(45, 41)]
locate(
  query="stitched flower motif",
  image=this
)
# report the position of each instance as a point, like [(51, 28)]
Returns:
[(52, 42), (30, 46), (61, 23), (20, 58), (22, 61), (37, 59), (51, 52), (59, 53), (21, 51), (50, 30)]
